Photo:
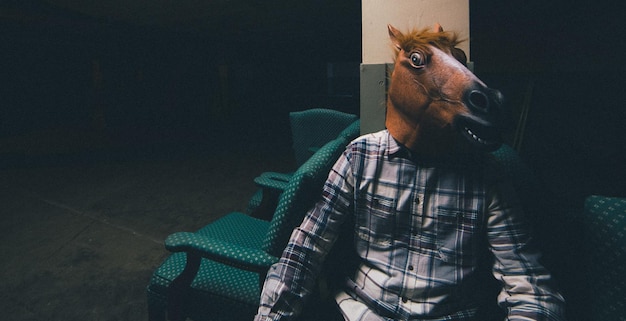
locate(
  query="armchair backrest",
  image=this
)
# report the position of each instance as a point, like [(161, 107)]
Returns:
[(533, 195), (521, 176), (351, 132), (605, 237), (312, 128), (303, 190)]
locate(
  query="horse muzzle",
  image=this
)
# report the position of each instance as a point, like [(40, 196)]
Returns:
[(482, 124)]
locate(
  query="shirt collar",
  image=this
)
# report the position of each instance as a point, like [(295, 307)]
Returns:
[(395, 149)]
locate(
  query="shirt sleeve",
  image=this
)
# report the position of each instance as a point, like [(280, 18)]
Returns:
[(527, 291), (290, 281)]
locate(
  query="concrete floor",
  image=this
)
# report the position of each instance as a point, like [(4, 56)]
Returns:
[(79, 241)]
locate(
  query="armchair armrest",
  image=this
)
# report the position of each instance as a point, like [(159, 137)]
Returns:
[(273, 181), (272, 185), (255, 260)]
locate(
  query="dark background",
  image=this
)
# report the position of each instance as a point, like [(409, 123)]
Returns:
[(571, 55), (81, 84), (140, 114)]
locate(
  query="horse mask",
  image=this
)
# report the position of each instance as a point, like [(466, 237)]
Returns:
[(435, 105)]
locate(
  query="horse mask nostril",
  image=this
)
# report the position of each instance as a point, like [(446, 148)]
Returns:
[(497, 97), (478, 99)]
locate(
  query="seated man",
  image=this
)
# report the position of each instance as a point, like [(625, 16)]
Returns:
[(427, 203)]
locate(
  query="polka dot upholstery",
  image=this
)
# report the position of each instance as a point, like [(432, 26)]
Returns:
[(248, 245), (234, 239), (605, 219), (303, 190), (214, 280), (273, 180), (351, 132)]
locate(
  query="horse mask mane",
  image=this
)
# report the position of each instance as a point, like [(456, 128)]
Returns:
[(435, 105)]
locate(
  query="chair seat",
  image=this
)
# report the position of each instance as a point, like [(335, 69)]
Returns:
[(213, 278), (237, 228)]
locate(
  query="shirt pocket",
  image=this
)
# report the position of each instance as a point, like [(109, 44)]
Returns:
[(375, 222), (457, 235)]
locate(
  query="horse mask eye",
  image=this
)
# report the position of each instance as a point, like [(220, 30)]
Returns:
[(417, 60)]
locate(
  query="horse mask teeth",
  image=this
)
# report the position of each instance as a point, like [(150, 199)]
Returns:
[(482, 135), (476, 138)]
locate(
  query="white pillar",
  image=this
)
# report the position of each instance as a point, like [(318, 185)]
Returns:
[(377, 54)]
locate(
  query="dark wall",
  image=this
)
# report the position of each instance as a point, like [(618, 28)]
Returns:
[(235, 81), (125, 86), (565, 59), (562, 60)]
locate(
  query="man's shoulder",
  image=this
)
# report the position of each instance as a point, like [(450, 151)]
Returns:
[(367, 148), (372, 141)]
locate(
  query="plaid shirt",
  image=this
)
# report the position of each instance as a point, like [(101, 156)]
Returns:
[(420, 231)]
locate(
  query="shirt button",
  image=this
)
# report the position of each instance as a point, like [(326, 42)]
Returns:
[(411, 267), (404, 300), (417, 201)]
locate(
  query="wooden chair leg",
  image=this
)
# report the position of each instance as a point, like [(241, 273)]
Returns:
[(266, 209), (179, 287)]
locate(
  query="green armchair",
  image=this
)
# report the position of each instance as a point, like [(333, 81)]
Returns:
[(216, 273), (605, 237)]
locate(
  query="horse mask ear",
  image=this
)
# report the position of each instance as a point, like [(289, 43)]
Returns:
[(457, 53), (395, 34), (437, 27)]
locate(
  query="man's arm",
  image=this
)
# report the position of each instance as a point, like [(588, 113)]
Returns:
[(527, 289), (290, 281)]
